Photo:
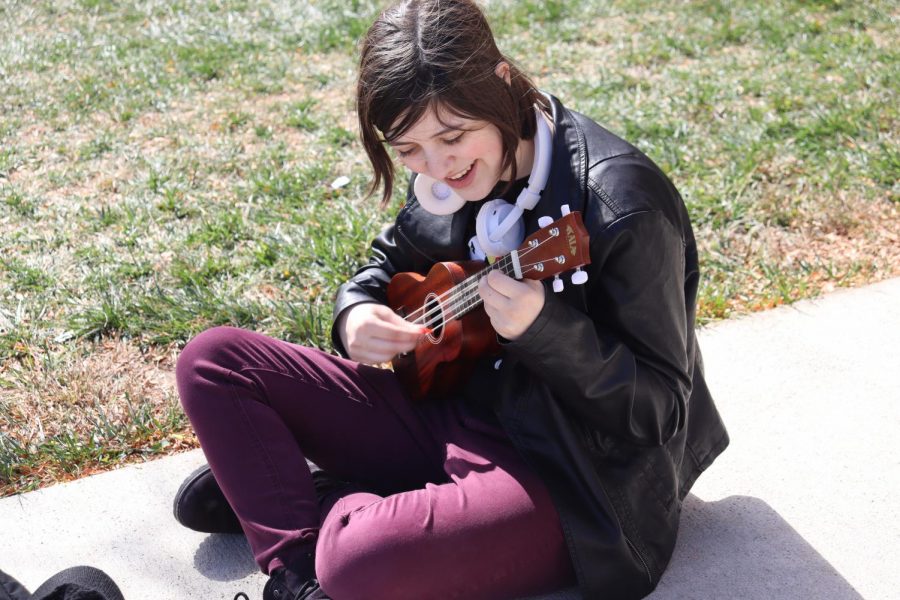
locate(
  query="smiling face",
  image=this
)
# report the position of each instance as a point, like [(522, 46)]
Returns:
[(432, 53), (466, 154)]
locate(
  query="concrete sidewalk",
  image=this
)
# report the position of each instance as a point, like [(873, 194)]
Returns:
[(802, 505)]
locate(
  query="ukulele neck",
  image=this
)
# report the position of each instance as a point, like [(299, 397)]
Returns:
[(558, 247), (464, 297)]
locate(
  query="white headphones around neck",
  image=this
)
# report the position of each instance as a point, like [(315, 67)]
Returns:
[(499, 228)]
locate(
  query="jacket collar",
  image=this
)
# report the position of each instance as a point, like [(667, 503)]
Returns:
[(567, 183)]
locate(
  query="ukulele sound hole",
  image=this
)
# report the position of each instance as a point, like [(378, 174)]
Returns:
[(434, 318)]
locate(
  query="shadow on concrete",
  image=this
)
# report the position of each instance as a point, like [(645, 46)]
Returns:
[(739, 547), (224, 557)]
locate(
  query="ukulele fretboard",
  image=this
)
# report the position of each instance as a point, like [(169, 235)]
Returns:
[(463, 297)]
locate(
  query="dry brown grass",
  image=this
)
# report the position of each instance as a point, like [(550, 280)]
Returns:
[(79, 391), (814, 256), (101, 375)]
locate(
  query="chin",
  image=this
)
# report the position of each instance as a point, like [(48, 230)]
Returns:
[(476, 192), (472, 196)]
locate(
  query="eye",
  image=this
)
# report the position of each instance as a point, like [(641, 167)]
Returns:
[(455, 140), (404, 153)]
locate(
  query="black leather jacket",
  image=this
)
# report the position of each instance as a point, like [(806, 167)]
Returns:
[(604, 394)]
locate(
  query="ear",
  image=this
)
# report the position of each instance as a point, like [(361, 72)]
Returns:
[(502, 71)]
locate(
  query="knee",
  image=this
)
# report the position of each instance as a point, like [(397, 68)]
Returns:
[(206, 353), (212, 346)]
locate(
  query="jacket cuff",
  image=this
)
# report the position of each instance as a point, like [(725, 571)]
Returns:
[(535, 335), (347, 299)]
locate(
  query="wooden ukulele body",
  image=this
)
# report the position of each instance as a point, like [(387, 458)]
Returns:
[(444, 358)]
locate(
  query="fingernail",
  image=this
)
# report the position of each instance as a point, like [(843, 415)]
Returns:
[(426, 330)]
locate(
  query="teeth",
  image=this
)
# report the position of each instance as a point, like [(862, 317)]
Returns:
[(461, 174)]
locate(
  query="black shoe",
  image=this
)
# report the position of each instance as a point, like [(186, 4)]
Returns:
[(79, 582), (283, 585), (200, 505), (10, 589), (327, 484)]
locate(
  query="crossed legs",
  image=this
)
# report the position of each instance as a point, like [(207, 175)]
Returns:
[(454, 511)]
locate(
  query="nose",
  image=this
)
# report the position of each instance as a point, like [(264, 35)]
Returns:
[(438, 163)]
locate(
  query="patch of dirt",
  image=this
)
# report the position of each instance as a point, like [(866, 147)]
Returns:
[(70, 388)]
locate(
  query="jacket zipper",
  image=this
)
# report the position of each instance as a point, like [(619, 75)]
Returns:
[(641, 557)]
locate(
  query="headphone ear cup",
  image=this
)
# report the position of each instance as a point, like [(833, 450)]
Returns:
[(488, 220), (436, 197)]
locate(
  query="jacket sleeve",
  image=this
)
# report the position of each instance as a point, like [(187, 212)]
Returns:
[(387, 257), (623, 367)]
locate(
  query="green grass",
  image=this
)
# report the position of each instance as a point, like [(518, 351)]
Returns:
[(166, 167)]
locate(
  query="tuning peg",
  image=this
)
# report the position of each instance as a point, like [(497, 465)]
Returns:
[(579, 277), (564, 209), (544, 222), (558, 284)]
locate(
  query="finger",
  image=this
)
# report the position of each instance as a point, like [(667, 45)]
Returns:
[(379, 350), (493, 300), (395, 330), (392, 346), (398, 323), (506, 285), (534, 288), (373, 354), (484, 289), (534, 284), (393, 336), (371, 358)]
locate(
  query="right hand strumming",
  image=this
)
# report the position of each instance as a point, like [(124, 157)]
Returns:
[(373, 333)]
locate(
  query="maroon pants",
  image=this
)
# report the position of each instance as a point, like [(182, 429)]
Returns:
[(456, 513)]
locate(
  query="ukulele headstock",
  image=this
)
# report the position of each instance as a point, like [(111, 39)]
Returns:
[(558, 247)]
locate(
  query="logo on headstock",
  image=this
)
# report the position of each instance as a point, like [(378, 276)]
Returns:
[(570, 237)]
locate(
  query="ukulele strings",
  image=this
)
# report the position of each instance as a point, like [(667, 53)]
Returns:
[(464, 288), (461, 290), (473, 299), (465, 294)]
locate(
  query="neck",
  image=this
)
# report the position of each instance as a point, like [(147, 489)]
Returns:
[(525, 155), (524, 158)]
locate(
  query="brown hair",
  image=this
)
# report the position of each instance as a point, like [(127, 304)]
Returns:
[(421, 54)]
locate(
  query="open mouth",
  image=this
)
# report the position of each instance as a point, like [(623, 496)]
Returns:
[(461, 178), (461, 174)]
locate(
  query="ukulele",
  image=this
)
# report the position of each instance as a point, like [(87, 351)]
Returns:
[(447, 303)]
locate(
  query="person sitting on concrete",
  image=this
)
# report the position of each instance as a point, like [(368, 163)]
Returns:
[(564, 456)]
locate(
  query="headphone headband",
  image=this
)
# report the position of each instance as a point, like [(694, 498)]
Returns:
[(537, 180)]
